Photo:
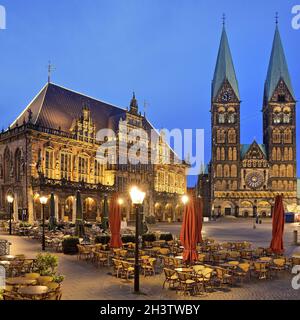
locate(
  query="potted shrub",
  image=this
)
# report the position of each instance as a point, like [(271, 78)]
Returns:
[(166, 237), (128, 238), (149, 237), (103, 239), (69, 245)]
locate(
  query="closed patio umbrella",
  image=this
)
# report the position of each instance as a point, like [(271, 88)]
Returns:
[(115, 222), (79, 227), (52, 221), (278, 226), (188, 234)]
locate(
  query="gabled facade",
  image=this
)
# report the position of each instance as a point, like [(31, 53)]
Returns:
[(52, 147), (243, 179)]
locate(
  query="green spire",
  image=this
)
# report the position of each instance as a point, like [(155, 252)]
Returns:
[(278, 69), (224, 68)]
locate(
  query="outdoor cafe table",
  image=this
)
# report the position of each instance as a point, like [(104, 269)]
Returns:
[(20, 281), (184, 270), (179, 257), (4, 263), (33, 291), (296, 255)]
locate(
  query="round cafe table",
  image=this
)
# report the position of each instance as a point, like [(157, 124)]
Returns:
[(184, 269), (4, 263), (296, 255), (33, 291), (179, 257), (20, 281)]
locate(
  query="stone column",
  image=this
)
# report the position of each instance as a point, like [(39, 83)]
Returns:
[(56, 208), (16, 207), (74, 209), (30, 206)]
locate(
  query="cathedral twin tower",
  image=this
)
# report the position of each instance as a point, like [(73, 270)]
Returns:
[(244, 178)]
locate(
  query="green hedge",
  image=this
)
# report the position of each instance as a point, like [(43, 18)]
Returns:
[(128, 238), (150, 237), (103, 239), (166, 237)]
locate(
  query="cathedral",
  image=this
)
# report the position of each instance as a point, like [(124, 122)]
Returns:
[(243, 179), (52, 148)]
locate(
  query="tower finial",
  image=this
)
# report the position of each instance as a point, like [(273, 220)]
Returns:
[(276, 18), (223, 19), (50, 69)]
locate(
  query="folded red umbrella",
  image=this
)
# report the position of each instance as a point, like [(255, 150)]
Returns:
[(115, 223), (278, 226)]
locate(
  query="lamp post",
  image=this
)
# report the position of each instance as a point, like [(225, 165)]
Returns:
[(43, 201), (10, 200), (137, 198), (185, 199)]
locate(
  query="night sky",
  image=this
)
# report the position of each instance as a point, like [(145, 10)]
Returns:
[(164, 50)]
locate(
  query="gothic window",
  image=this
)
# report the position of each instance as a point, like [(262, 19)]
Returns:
[(234, 154), (286, 118), (285, 185), (218, 154), (275, 170), (274, 154), (234, 171), (98, 172), (83, 168), (219, 170), (287, 136), (276, 118), (286, 154), (231, 136), (65, 165), (223, 154), (221, 117), (274, 185), (220, 136), (231, 117), (49, 163), (282, 170), (226, 171), (234, 185), (6, 167), (291, 185), (290, 171), (276, 136), (224, 185), (280, 185), (291, 154), (18, 164), (278, 154), (230, 154), (219, 185)]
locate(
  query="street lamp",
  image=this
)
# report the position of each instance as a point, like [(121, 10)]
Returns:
[(43, 201), (120, 201), (10, 200), (185, 199), (137, 197)]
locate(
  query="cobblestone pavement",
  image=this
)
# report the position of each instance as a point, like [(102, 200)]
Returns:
[(86, 282)]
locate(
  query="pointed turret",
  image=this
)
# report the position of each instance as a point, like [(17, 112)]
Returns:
[(278, 69), (224, 68), (134, 105)]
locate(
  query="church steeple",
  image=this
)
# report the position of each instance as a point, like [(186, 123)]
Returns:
[(224, 68), (278, 69)]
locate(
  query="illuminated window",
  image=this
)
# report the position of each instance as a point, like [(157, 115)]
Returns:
[(49, 164)]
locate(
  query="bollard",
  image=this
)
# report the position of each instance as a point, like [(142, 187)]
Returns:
[(295, 237)]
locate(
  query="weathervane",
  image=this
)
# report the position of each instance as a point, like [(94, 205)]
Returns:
[(276, 18), (50, 69), (223, 19)]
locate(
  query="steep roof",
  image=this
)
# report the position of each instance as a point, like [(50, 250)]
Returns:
[(224, 68), (57, 107), (278, 69)]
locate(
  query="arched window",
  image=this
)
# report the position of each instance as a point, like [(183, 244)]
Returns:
[(220, 136), (98, 171), (276, 118), (286, 117), (274, 154), (66, 165), (286, 154), (223, 154), (218, 154), (287, 136), (49, 163), (234, 154), (231, 136), (83, 168), (275, 170), (276, 136), (291, 185), (231, 117), (219, 170), (291, 154), (221, 117), (226, 171), (6, 166), (278, 154), (234, 171), (230, 154), (274, 185), (218, 185), (290, 171), (18, 156), (282, 170)]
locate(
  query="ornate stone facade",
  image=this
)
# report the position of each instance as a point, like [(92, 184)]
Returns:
[(52, 147), (241, 179)]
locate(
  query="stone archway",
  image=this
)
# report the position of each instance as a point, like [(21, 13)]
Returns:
[(68, 208), (168, 212), (90, 209), (158, 211)]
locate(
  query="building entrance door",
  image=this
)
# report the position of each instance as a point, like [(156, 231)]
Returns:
[(227, 211)]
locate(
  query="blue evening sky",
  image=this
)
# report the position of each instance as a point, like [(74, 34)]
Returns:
[(165, 50)]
